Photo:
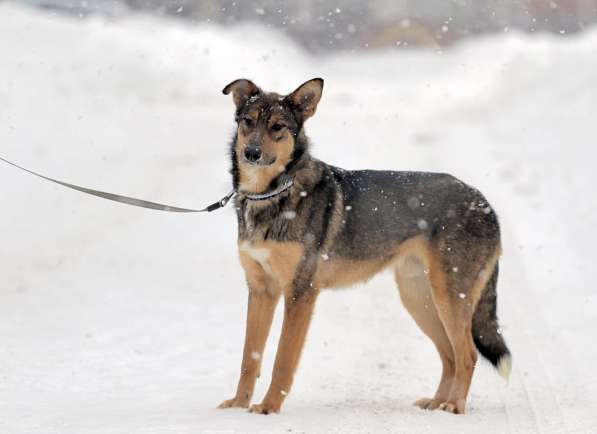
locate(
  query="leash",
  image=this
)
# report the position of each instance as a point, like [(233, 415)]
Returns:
[(129, 200)]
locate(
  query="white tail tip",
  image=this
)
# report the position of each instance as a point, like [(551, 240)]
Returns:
[(504, 367)]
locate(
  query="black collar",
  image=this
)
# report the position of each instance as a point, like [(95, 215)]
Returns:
[(285, 183)]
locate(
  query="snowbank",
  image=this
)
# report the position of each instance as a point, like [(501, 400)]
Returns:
[(121, 320)]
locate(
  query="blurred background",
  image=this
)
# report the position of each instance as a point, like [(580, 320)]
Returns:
[(321, 25), (116, 319)]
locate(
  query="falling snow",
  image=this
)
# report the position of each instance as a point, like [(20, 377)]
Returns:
[(289, 215), (422, 224), (113, 331)]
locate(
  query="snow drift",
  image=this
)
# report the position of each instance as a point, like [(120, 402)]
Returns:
[(122, 320)]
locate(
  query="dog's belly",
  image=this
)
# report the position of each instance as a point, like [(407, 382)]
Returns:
[(342, 272), (278, 261)]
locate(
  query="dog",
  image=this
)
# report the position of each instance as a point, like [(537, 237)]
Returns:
[(304, 226)]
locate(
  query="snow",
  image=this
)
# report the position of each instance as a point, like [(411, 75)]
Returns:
[(122, 320)]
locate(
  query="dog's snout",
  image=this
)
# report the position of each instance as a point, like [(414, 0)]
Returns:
[(252, 153)]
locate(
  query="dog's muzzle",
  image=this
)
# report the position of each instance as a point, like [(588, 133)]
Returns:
[(252, 154)]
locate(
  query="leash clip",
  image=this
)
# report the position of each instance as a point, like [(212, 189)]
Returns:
[(221, 203), (224, 201)]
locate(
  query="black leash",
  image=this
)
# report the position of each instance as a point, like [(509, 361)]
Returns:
[(129, 200)]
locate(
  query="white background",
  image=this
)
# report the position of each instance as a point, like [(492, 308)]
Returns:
[(116, 319)]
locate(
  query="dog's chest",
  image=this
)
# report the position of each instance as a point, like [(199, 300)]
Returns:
[(262, 222), (272, 259), (258, 253)]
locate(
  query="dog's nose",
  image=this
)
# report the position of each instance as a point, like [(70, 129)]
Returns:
[(252, 153)]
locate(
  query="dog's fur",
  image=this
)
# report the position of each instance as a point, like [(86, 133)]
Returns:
[(334, 228)]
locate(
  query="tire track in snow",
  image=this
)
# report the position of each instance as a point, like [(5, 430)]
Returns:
[(529, 378)]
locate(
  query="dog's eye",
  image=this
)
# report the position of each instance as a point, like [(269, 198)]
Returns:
[(277, 127), (248, 121)]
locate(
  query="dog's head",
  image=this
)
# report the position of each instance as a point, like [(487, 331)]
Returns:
[(268, 129)]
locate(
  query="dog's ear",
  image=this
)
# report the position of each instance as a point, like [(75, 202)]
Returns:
[(305, 98), (242, 89)]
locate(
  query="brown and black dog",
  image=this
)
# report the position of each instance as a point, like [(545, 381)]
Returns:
[(304, 225)]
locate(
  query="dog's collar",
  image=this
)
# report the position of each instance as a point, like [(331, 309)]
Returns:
[(284, 186)]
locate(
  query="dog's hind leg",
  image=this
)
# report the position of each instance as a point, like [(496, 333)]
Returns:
[(457, 280), (415, 293)]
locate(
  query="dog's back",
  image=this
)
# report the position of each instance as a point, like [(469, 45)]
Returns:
[(385, 207)]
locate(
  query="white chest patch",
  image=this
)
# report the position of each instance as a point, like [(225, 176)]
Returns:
[(260, 255)]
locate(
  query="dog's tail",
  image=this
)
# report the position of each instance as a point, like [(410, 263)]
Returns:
[(486, 331)]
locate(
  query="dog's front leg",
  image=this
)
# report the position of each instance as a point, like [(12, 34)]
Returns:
[(260, 312), (298, 308)]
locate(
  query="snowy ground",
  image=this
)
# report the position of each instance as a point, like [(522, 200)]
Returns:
[(121, 320)]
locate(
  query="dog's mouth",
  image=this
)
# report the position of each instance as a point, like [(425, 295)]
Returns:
[(263, 161)]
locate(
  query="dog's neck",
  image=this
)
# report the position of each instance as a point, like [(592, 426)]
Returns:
[(285, 182)]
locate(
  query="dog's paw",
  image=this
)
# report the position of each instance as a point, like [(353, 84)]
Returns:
[(264, 408), (456, 407), (235, 402), (428, 403)]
